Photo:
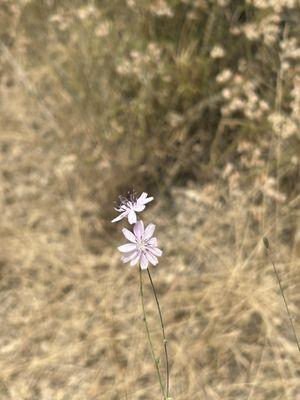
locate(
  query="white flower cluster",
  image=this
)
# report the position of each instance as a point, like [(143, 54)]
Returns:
[(142, 247)]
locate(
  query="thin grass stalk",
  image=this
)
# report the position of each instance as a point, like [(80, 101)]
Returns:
[(149, 337), (267, 245)]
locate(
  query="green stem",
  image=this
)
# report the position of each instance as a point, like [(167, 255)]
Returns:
[(149, 337), (163, 332)]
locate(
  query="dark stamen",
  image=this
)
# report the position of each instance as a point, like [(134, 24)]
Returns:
[(130, 197)]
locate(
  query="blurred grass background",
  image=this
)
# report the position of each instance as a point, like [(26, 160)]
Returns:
[(196, 102)]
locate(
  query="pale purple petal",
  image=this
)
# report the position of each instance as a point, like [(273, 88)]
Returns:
[(136, 259), (129, 256), (129, 235), (144, 262), (143, 199), (122, 208), (153, 241), (119, 217), (152, 259), (127, 248), (132, 217), (149, 231), (156, 251), (138, 207), (138, 229), (148, 200)]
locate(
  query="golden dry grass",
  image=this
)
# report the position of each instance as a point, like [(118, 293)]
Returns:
[(71, 323)]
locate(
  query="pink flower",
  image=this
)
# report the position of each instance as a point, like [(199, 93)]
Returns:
[(130, 206), (142, 247)]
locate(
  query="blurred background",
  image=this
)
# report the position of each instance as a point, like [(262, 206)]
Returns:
[(196, 102)]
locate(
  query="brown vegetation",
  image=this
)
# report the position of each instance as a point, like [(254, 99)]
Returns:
[(195, 102)]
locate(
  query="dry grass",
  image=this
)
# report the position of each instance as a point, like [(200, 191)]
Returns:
[(71, 319), (71, 138)]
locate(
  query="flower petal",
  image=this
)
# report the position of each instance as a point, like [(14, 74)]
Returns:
[(129, 256), (143, 198), (144, 262), (155, 250), (135, 260), (153, 241), (138, 229), (139, 207), (127, 248), (151, 258), (132, 216), (129, 235), (148, 200), (119, 217), (149, 231), (121, 208)]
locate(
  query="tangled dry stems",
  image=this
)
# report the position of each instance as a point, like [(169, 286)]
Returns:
[(222, 154)]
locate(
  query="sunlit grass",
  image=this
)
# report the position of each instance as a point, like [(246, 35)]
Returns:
[(99, 97)]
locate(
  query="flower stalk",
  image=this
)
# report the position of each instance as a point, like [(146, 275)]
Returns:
[(165, 342), (155, 360)]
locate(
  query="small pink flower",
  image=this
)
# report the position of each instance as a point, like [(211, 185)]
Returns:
[(142, 247), (130, 206)]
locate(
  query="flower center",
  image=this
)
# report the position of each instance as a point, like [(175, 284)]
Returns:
[(141, 245), (128, 200)]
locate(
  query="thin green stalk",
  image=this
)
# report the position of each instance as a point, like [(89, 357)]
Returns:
[(163, 332), (267, 245), (149, 337)]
